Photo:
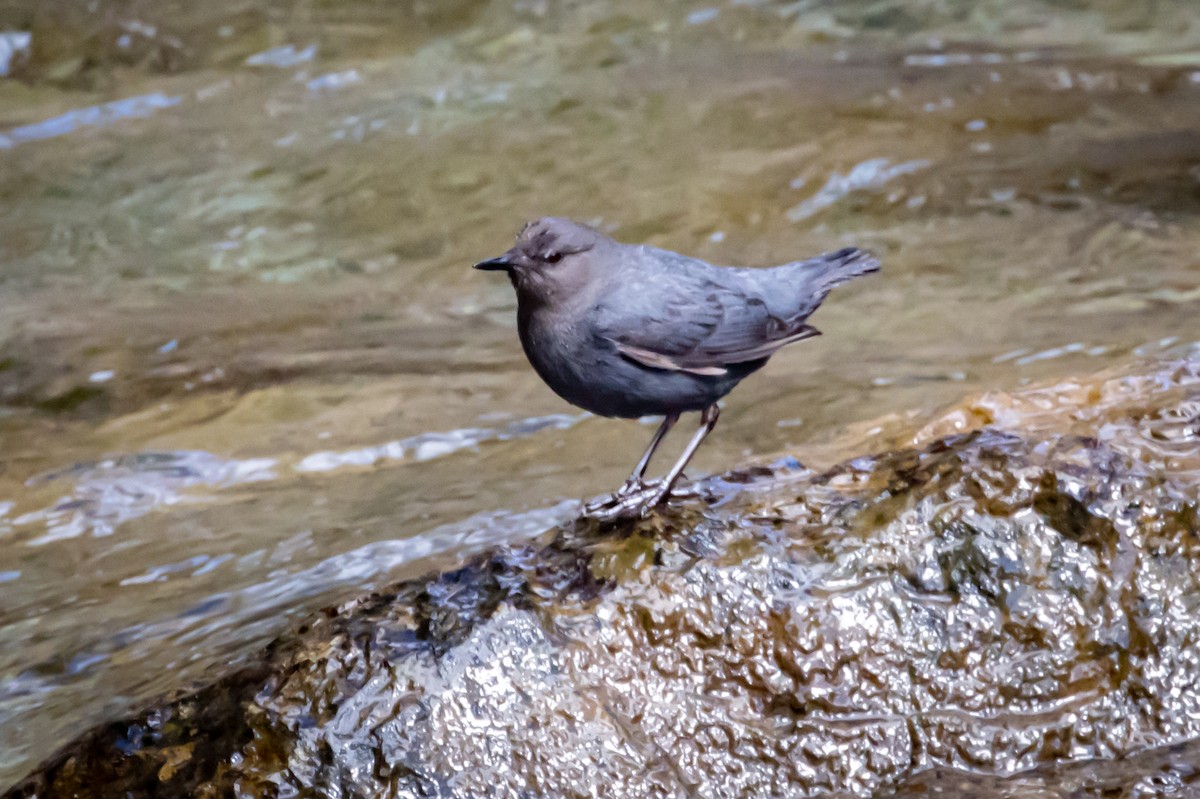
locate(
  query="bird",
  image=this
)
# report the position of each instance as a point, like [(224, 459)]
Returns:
[(631, 330)]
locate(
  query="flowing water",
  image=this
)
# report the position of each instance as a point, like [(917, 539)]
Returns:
[(245, 369)]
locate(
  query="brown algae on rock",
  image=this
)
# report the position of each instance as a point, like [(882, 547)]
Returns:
[(1008, 605)]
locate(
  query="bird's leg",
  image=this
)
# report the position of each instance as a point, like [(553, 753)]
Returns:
[(708, 420), (634, 483), (634, 487), (636, 500)]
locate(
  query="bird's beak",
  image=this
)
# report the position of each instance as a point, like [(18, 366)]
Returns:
[(501, 263)]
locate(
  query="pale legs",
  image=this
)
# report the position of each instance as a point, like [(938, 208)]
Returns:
[(634, 486), (635, 497), (634, 483), (708, 420)]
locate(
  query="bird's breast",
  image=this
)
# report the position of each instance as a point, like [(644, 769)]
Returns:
[(555, 346)]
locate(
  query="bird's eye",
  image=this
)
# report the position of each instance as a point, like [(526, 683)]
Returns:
[(552, 257)]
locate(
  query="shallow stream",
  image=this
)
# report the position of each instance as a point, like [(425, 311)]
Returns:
[(245, 369)]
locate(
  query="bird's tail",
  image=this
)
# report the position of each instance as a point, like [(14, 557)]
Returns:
[(812, 280), (835, 268)]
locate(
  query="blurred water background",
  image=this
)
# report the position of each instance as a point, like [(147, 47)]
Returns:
[(246, 370)]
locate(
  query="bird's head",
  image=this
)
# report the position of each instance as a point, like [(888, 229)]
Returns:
[(552, 259)]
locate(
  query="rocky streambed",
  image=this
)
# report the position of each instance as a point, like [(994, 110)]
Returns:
[(1005, 602)]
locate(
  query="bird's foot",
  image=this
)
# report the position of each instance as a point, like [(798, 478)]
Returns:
[(623, 500), (631, 486), (636, 499), (635, 485)]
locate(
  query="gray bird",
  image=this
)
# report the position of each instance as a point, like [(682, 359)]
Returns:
[(631, 330)]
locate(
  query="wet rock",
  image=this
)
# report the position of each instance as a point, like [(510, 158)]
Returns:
[(1017, 596)]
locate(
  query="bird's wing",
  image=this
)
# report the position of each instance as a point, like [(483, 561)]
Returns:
[(701, 330)]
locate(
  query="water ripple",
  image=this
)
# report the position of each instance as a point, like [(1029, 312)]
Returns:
[(432, 445), (113, 491), (116, 490), (870, 174), (138, 107)]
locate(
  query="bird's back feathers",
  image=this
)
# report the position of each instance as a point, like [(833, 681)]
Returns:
[(667, 311)]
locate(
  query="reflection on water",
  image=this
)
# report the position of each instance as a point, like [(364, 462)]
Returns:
[(283, 56), (95, 116), (870, 174), (106, 494), (237, 319), (13, 45)]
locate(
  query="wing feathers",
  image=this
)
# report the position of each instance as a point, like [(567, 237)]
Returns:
[(657, 360), (710, 362), (720, 317)]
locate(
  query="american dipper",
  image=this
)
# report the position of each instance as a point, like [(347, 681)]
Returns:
[(631, 330)]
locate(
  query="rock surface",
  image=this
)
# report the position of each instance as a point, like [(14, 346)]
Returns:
[(1018, 590)]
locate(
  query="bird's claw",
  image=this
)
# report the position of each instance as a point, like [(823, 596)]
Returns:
[(634, 485), (634, 500), (628, 502), (624, 499)]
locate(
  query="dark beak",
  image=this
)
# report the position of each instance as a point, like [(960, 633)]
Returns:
[(498, 264)]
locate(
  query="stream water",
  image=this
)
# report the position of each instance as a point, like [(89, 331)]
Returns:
[(246, 370)]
